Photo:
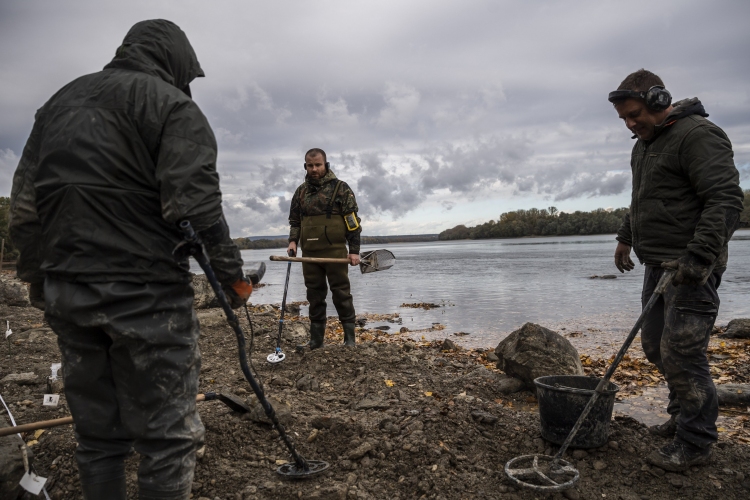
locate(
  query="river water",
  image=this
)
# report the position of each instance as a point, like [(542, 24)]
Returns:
[(488, 288)]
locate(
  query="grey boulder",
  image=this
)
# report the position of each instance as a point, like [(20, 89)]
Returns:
[(534, 351), (738, 329)]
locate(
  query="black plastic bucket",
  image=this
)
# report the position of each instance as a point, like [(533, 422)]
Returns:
[(561, 401)]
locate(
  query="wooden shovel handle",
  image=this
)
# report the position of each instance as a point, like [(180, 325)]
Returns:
[(46, 424), (311, 260)]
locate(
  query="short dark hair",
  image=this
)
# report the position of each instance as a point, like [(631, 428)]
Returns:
[(640, 81), (315, 152)]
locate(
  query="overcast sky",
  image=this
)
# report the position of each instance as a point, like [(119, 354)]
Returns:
[(437, 113)]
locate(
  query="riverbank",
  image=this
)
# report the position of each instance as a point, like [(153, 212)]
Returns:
[(396, 417)]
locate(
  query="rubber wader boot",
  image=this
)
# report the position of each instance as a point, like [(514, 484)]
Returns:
[(349, 334), (317, 334), (113, 489)]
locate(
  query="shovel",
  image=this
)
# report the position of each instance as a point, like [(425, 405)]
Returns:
[(370, 262), (232, 401)]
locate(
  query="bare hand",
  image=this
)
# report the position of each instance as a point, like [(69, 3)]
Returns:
[(291, 250), (622, 258), (353, 259)]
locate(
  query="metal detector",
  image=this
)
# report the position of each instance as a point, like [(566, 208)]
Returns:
[(301, 468), (549, 474), (278, 356)]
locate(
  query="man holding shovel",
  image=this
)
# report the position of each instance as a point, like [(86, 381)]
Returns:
[(116, 159), (323, 219), (686, 202)]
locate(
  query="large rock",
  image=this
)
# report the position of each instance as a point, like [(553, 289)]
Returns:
[(534, 351), (13, 292), (11, 463), (738, 329), (205, 298), (733, 394)]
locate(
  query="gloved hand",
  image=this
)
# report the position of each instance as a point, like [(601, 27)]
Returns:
[(691, 270), (36, 295), (238, 292)]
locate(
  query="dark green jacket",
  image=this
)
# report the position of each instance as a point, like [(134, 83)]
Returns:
[(685, 189), (115, 159), (312, 197)]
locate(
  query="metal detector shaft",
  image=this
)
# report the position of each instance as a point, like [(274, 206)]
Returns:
[(197, 252), (666, 278), (283, 304)]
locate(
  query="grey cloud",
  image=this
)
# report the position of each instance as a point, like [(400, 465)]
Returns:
[(418, 103)]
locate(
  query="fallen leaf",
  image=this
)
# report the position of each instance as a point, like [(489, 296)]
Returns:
[(428, 394), (38, 433), (390, 383)]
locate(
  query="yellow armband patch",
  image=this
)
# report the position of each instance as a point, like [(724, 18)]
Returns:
[(352, 224)]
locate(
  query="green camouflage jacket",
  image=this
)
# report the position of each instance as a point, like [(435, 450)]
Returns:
[(312, 197)]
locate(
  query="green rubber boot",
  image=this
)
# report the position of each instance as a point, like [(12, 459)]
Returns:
[(349, 334), (317, 334)]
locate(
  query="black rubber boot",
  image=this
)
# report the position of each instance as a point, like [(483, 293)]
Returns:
[(317, 334), (349, 338), (114, 489), (678, 456), (666, 430)]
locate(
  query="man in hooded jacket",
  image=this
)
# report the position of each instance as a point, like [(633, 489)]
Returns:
[(685, 206), (115, 160)]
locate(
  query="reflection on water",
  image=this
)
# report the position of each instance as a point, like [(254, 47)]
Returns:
[(491, 287)]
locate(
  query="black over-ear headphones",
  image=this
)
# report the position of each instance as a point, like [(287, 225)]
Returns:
[(657, 97), (328, 166)]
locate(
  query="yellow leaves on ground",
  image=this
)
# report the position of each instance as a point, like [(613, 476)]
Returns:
[(390, 383)]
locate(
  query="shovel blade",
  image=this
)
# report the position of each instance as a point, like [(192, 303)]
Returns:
[(234, 402)]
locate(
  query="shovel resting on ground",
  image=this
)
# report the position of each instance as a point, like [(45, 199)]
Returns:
[(232, 401), (370, 262)]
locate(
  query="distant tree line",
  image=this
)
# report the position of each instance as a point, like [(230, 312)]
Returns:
[(544, 222)]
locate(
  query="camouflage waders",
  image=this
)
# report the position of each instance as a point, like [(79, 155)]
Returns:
[(324, 236), (675, 336), (130, 366)]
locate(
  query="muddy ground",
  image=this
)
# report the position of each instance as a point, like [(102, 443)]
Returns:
[(395, 418)]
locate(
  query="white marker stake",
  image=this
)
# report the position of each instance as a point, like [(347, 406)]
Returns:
[(8, 331), (55, 368), (51, 400), (32, 483)]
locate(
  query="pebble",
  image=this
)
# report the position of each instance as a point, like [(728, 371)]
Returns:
[(614, 445), (580, 454), (571, 494), (600, 465)]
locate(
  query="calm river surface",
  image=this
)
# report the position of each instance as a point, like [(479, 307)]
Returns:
[(489, 288)]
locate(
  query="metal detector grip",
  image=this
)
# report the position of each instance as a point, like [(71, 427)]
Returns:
[(196, 250)]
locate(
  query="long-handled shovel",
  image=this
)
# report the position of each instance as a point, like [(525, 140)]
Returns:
[(278, 356), (301, 467), (557, 474), (370, 262), (232, 401)]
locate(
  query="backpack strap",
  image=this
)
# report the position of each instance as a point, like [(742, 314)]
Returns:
[(329, 208)]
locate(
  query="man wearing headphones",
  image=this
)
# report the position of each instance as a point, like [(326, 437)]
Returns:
[(323, 220), (685, 206)]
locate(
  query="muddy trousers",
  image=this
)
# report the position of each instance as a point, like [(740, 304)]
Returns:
[(338, 278), (675, 336), (130, 363)]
